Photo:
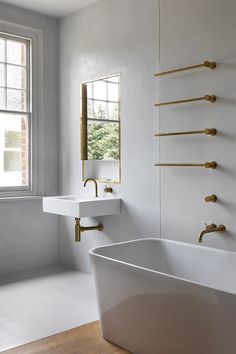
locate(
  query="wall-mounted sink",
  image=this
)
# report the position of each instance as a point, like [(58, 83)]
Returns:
[(77, 207)]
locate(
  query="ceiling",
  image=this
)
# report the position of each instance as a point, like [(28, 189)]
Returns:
[(55, 8)]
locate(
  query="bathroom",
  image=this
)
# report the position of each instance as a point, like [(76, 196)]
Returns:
[(50, 284)]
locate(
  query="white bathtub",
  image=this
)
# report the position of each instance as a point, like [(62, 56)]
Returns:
[(165, 297)]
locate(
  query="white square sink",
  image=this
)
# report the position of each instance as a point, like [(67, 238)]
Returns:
[(73, 205)]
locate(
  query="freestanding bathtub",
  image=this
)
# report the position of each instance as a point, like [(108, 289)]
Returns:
[(164, 297)]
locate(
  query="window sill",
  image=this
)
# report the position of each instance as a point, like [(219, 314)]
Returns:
[(23, 198)]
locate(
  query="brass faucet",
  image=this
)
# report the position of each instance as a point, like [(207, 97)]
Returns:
[(79, 229), (211, 228), (96, 185)]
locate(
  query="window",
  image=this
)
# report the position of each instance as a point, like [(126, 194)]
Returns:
[(15, 113)]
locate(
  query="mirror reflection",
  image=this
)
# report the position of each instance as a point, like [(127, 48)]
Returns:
[(100, 126)]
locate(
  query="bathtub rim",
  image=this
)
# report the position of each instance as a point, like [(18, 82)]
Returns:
[(133, 266)]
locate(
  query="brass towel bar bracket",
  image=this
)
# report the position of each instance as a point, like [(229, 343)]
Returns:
[(207, 131), (207, 98), (207, 64), (211, 164)]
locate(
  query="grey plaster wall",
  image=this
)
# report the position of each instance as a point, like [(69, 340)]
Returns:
[(110, 37), (29, 238)]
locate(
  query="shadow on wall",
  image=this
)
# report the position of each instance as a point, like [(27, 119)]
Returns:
[(117, 228), (132, 226)]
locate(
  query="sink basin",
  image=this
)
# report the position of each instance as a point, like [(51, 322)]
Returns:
[(73, 205)]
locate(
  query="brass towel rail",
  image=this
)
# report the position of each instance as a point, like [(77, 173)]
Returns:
[(207, 131), (207, 98), (212, 164), (207, 64)]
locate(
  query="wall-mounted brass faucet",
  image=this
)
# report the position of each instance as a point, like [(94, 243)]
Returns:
[(95, 183), (79, 229), (211, 228)]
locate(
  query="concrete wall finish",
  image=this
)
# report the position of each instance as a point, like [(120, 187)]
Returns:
[(105, 38), (192, 31), (135, 38)]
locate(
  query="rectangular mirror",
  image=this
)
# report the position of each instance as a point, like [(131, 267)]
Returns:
[(100, 129)]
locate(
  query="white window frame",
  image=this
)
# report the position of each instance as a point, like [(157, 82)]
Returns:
[(35, 123)]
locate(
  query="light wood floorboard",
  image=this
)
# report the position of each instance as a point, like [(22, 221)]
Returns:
[(81, 340)]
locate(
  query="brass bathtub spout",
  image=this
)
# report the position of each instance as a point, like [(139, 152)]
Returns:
[(79, 229), (211, 228)]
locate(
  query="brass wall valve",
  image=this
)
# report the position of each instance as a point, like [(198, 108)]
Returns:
[(211, 198), (108, 190)]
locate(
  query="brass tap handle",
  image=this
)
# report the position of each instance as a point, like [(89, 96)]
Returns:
[(211, 227), (211, 198), (108, 190)]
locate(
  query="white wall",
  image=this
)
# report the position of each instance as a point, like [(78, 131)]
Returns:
[(106, 38), (192, 31), (123, 36), (28, 238)]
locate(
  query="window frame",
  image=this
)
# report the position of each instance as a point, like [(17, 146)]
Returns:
[(34, 102), (107, 101)]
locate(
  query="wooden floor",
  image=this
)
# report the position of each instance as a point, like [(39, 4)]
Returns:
[(82, 340)]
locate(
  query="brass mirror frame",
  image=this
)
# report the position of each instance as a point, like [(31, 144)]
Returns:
[(83, 123), (84, 126)]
